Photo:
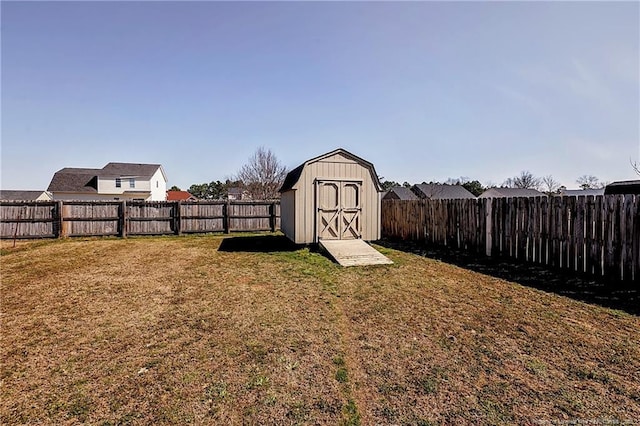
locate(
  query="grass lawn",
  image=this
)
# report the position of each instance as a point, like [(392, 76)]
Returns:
[(173, 330)]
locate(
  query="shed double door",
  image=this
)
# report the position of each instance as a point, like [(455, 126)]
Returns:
[(338, 213)]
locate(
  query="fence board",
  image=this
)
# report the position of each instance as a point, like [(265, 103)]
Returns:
[(627, 239), (587, 235), (101, 218)]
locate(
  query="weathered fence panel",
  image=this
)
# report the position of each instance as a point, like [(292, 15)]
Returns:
[(598, 236), (19, 219), (151, 218), (201, 216), (85, 219), (51, 219)]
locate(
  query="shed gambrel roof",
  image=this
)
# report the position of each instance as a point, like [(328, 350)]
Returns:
[(436, 191), (401, 193), (510, 192), (294, 175)]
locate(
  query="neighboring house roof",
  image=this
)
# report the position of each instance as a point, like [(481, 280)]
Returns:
[(179, 196), (510, 192), (131, 170), (292, 177), (74, 179), (236, 191), (436, 191), (623, 187), (399, 193), (579, 192), (19, 195)]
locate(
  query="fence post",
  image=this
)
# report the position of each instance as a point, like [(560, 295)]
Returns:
[(487, 204), (272, 214), (57, 219), (123, 219), (177, 217), (225, 217), (63, 225)]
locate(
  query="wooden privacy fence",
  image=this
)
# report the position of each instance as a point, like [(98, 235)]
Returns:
[(56, 219), (598, 236)]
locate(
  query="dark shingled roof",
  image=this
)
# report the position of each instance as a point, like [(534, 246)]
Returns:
[(19, 195), (436, 191), (510, 192), (400, 193), (623, 187), (129, 170), (292, 177), (72, 179)]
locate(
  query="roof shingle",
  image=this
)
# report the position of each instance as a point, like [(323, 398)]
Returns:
[(436, 191)]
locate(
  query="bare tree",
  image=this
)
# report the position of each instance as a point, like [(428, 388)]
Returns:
[(550, 185), (525, 180), (263, 175), (589, 182), (635, 166)]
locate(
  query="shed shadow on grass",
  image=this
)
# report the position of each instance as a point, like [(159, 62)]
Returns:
[(601, 292), (258, 244)]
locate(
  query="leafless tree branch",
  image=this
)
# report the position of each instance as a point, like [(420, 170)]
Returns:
[(263, 175)]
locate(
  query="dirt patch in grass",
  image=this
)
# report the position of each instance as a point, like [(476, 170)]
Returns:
[(173, 330)]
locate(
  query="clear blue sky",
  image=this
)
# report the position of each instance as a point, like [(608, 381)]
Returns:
[(425, 91)]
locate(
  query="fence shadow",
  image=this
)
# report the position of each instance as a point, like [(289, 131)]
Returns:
[(614, 294), (258, 244)]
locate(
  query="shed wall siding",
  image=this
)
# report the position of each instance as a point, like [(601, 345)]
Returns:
[(288, 215), (336, 167)]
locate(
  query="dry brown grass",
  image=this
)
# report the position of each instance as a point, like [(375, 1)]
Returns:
[(172, 331)]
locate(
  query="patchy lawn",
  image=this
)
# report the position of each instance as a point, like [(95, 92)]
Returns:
[(173, 330)]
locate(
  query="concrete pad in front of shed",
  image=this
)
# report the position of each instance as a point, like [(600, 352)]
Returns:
[(354, 253)]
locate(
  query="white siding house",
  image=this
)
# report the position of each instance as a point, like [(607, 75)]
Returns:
[(115, 181)]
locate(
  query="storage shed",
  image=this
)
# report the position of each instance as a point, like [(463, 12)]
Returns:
[(335, 196)]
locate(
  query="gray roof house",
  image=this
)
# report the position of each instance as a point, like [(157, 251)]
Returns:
[(399, 193), (19, 195), (115, 181), (579, 192), (237, 193), (623, 187), (436, 191), (511, 192)]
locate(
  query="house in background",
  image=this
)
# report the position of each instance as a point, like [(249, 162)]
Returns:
[(399, 193), (623, 187), (579, 192), (180, 196), (510, 193), (238, 193), (436, 191), (115, 181), (19, 195)]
